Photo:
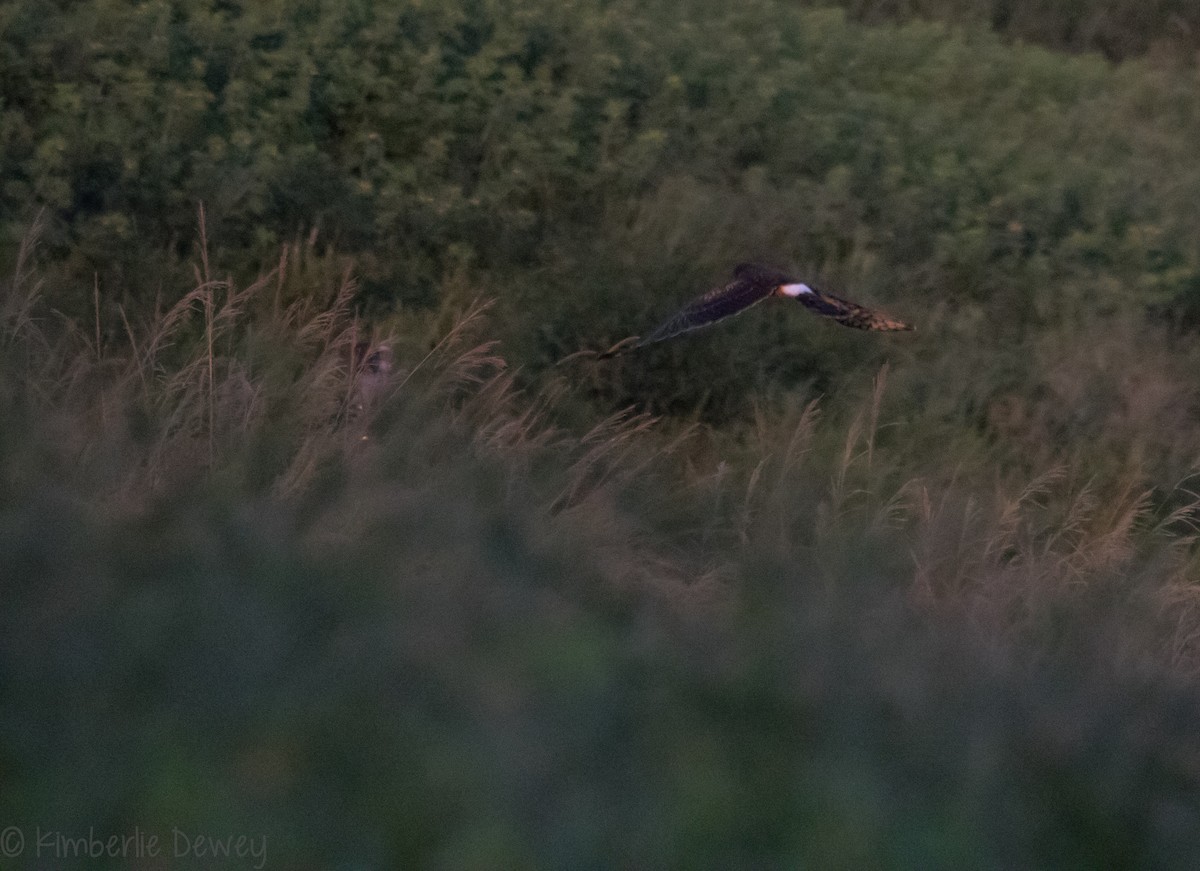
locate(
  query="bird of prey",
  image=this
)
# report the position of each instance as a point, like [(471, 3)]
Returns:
[(371, 369), (752, 284)]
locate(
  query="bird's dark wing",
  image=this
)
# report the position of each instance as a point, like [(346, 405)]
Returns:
[(751, 284), (849, 313), (747, 288)]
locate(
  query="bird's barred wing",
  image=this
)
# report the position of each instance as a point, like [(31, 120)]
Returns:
[(716, 305), (849, 313), (751, 284)]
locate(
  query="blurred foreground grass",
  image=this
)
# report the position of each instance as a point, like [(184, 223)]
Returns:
[(438, 625)]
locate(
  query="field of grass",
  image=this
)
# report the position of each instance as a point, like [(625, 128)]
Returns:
[(776, 595)]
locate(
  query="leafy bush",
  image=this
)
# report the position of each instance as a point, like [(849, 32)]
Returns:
[(591, 165), (1118, 28)]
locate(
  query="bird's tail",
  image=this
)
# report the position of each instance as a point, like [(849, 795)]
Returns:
[(621, 347)]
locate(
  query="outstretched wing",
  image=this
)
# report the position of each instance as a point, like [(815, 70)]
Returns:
[(750, 285), (850, 313)]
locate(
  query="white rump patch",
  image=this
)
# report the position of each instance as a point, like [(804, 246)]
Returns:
[(795, 289)]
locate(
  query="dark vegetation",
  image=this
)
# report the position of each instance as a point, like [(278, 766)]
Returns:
[(778, 595), (1168, 30)]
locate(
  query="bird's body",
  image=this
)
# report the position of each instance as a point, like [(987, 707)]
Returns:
[(751, 285)]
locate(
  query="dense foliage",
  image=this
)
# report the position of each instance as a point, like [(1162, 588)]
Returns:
[(590, 164), (1169, 29), (780, 594)]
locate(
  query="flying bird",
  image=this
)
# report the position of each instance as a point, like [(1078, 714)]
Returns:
[(752, 284)]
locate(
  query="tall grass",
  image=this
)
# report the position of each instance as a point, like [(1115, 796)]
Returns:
[(239, 588)]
